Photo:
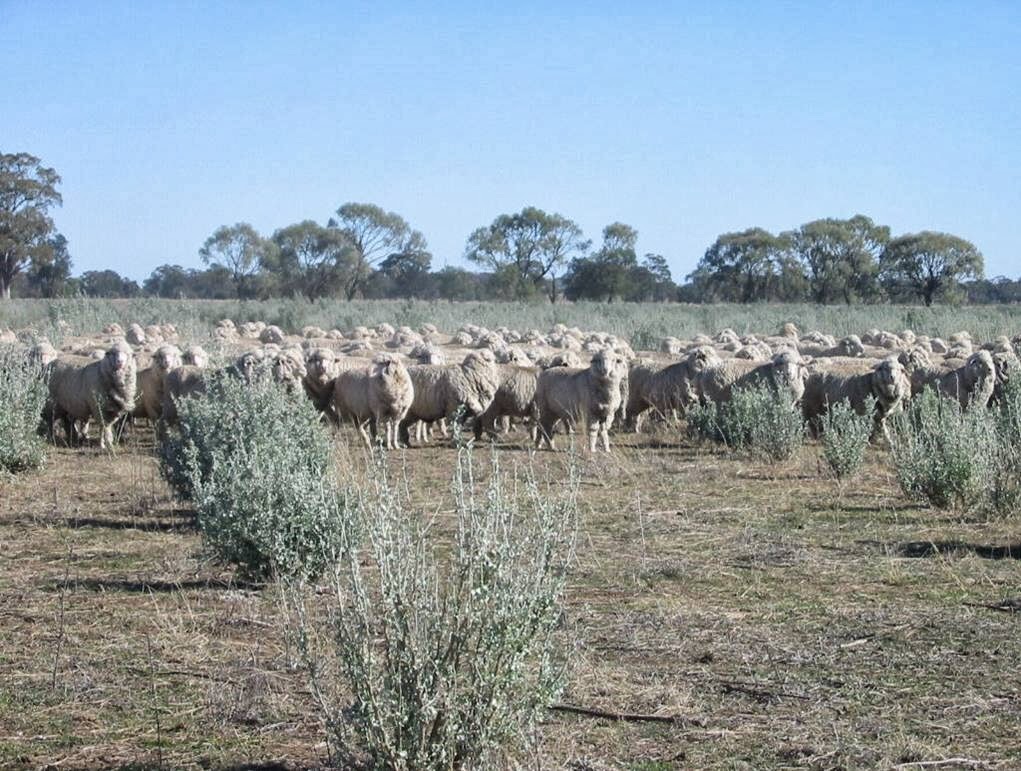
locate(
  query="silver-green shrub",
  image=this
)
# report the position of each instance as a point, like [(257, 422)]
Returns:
[(23, 394), (945, 455), (256, 462), (755, 419), (845, 436), (435, 655)]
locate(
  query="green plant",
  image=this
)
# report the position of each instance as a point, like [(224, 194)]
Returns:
[(256, 463), (754, 419), (845, 436), (943, 454), (435, 660), (23, 394)]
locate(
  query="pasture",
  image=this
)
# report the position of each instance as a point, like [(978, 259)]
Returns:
[(722, 611)]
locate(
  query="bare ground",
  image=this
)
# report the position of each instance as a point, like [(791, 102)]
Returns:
[(784, 621)]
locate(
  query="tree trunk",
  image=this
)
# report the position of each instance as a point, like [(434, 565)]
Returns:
[(5, 290)]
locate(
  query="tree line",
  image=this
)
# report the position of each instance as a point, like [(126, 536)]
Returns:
[(364, 251)]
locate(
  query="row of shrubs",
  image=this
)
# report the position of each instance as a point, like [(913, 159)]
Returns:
[(942, 454)]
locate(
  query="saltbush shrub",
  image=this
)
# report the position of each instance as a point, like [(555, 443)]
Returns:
[(256, 463), (432, 655), (845, 437), (755, 419), (23, 393)]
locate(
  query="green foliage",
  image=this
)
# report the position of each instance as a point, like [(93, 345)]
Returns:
[(23, 394), (755, 419), (239, 250), (256, 463), (945, 455), (839, 257), (929, 264), (429, 659), (743, 267), (845, 436), (27, 192)]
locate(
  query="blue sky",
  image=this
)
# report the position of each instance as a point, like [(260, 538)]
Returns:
[(683, 120)]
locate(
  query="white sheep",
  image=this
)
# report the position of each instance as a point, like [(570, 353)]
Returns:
[(466, 389), (380, 394)]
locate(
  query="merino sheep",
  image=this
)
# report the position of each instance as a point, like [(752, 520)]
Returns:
[(381, 393), (273, 335), (514, 398), (187, 380), (443, 391), (669, 389), (42, 353), (846, 346), (592, 395), (322, 366), (786, 374), (195, 356), (1007, 367), (859, 382), (288, 368), (99, 390), (972, 383), (149, 382)]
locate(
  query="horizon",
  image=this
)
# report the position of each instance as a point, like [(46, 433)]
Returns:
[(168, 122)]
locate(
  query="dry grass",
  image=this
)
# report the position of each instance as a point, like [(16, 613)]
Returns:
[(789, 620)]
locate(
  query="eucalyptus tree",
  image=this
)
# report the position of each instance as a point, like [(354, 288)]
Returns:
[(929, 264), (28, 190)]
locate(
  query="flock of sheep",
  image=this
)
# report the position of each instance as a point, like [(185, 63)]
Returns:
[(388, 381)]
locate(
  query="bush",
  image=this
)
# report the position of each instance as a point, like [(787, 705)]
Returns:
[(23, 394), (430, 661), (755, 419), (257, 464), (845, 436), (945, 455)]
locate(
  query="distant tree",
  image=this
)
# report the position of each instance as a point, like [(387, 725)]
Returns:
[(459, 284), (311, 259), (744, 267), (107, 283), (609, 272), (169, 281), (374, 236), (51, 277), (929, 264), (27, 192), (527, 249), (240, 250), (840, 258), (999, 289), (652, 281)]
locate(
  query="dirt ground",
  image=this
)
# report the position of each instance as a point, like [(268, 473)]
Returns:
[(781, 619)]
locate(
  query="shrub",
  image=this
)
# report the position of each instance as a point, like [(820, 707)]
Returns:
[(845, 436), (256, 463), (945, 455), (755, 419), (425, 661), (23, 394)]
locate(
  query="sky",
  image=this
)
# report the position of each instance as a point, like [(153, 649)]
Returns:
[(684, 120)]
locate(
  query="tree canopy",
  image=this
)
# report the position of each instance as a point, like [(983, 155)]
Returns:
[(27, 192), (240, 250), (929, 264)]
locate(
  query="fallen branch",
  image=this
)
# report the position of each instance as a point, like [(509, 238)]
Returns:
[(944, 762), (626, 717), (1012, 605)]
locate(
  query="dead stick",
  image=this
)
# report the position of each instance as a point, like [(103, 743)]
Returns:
[(627, 717)]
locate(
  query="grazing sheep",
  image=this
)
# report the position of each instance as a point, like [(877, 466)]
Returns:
[(427, 353), (514, 398), (669, 389), (562, 359), (99, 390), (42, 353), (272, 335), (288, 368), (149, 382), (859, 382), (114, 330), (381, 393), (312, 332), (847, 346), (135, 335), (443, 391), (786, 374), (187, 380), (1007, 367), (972, 382), (591, 395)]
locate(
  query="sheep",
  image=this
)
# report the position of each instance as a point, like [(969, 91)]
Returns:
[(42, 353), (99, 390), (514, 398), (113, 330), (312, 332), (272, 335), (444, 391), (1007, 366), (380, 393), (427, 353), (288, 368), (154, 334), (666, 389), (786, 374), (972, 382), (7, 337), (187, 380), (846, 346), (135, 335), (322, 366), (149, 382), (562, 359), (572, 395), (860, 382), (195, 355)]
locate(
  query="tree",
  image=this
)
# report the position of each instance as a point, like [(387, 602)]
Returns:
[(840, 258), (928, 264), (51, 277), (652, 281), (407, 272), (27, 192), (240, 250), (609, 273), (374, 235), (311, 259), (107, 283), (744, 267), (527, 248)]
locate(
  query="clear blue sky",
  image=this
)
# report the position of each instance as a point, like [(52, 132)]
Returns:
[(683, 120)]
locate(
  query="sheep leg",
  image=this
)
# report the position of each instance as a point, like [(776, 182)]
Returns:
[(365, 434), (402, 433), (593, 436)]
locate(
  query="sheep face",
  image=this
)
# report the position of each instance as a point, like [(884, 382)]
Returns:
[(320, 366), (1006, 365), (790, 374), (702, 358), (117, 357), (195, 356), (167, 357), (851, 346), (890, 381), (915, 358), (981, 366)]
